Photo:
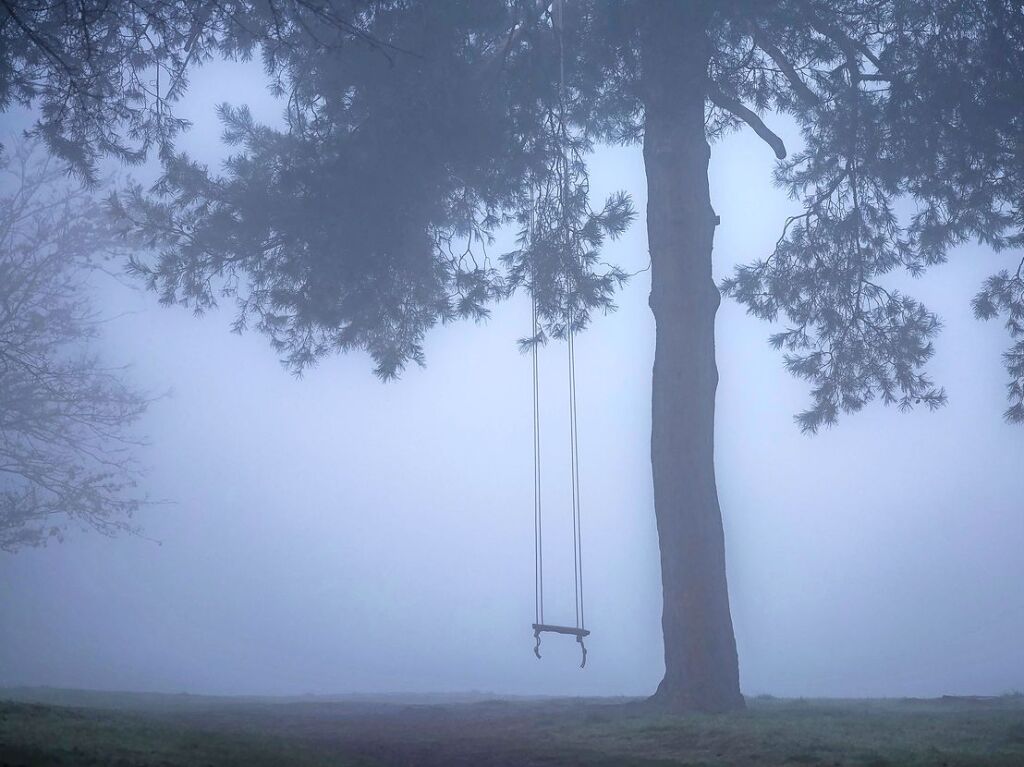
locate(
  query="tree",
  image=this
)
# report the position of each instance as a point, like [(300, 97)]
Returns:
[(66, 453), (103, 77), (415, 130), (93, 73)]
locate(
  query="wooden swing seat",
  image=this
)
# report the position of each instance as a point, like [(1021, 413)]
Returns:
[(579, 633), (539, 627)]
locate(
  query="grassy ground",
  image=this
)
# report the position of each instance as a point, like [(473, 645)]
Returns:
[(53, 727)]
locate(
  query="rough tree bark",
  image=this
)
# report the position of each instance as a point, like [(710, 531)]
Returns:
[(701, 667)]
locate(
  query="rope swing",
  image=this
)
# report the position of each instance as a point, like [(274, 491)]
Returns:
[(539, 626)]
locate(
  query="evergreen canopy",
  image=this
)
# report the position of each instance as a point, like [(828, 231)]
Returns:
[(414, 130)]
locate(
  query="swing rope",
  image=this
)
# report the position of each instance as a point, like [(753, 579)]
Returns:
[(540, 626), (538, 527), (577, 534), (577, 550)]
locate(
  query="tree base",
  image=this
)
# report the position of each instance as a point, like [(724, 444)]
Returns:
[(670, 699)]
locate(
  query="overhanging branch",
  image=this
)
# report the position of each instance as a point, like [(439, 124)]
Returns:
[(747, 115), (799, 86), (849, 46)]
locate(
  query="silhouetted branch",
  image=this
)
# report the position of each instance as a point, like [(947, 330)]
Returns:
[(747, 115), (799, 86)]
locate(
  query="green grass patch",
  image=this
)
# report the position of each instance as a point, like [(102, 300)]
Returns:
[(39, 727)]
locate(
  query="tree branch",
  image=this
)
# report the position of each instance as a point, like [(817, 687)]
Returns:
[(848, 45), (747, 115), (799, 86), (540, 8)]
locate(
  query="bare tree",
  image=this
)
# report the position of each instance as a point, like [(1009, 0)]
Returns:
[(66, 452)]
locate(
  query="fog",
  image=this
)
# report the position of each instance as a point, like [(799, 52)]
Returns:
[(336, 534)]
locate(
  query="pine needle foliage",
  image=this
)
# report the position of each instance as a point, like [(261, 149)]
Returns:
[(416, 130)]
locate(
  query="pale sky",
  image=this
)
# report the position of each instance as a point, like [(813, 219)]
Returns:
[(335, 534)]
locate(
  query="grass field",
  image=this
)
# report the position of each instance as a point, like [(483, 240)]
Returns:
[(66, 727)]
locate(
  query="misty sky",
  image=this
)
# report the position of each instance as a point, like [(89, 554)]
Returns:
[(336, 534)]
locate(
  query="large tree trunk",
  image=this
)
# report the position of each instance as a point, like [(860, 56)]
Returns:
[(701, 667)]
